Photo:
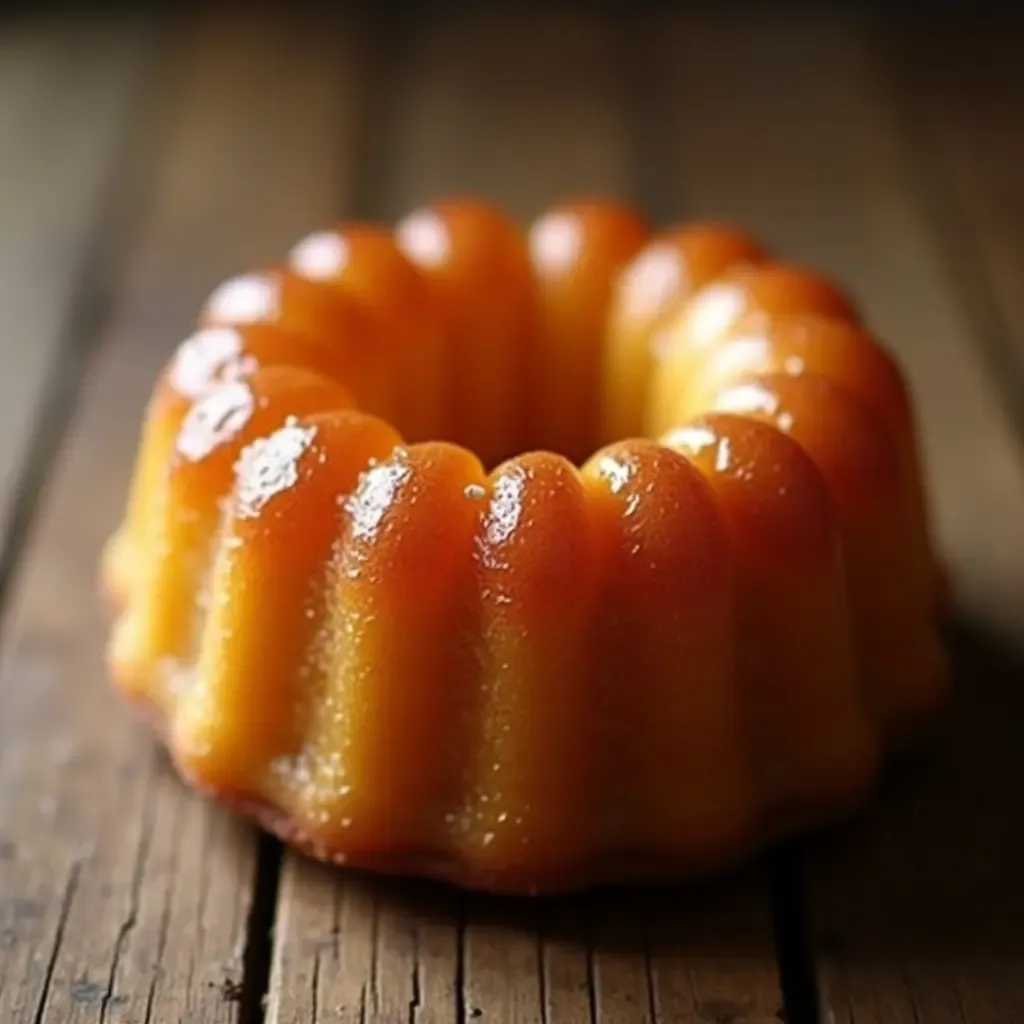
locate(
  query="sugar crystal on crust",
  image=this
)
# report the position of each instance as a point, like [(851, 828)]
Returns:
[(215, 419), (269, 466)]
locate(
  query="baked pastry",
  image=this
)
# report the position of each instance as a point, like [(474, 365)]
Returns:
[(691, 618)]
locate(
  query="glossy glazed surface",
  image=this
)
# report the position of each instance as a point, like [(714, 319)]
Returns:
[(400, 579), (661, 278), (365, 262), (750, 293), (477, 263), (576, 250)]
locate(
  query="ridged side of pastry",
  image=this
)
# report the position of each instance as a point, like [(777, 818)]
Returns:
[(358, 615)]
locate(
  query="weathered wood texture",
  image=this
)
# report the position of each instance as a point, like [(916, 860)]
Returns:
[(921, 907), (122, 897), (527, 108), (962, 87), (67, 96), (71, 90)]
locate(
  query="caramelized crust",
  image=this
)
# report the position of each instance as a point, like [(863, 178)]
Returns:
[(365, 262), (807, 726), (537, 576), (576, 250), (358, 615), (662, 276), (247, 713), (210, 357), (384, 752), (281, 297), (838, 351), (797, 344), (753, 293), (155, 642), (667, 602), (477, 262), (899, 659)]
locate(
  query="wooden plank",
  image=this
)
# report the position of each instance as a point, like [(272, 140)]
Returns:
[(521, 107), (919, 907), (962, 86), (70, 89), (524, 108), (122, 896)]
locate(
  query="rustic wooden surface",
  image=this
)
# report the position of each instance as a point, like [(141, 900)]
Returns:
[(142, 159)]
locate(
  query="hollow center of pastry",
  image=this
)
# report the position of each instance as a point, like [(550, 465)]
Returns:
[(524, 350), (555, 403), (568, 425), (572, 437)]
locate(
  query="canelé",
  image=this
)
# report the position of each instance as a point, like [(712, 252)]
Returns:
[(529, 558)]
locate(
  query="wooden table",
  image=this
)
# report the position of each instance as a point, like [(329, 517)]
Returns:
[(143, 158)]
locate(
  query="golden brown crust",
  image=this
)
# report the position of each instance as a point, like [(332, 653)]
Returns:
[(528, 589), (637, 868)]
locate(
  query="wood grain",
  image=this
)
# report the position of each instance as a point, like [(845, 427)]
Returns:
[(527, 109), (67, 99), (122, 896), (523, 106), (919, 907), (962, 87)]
